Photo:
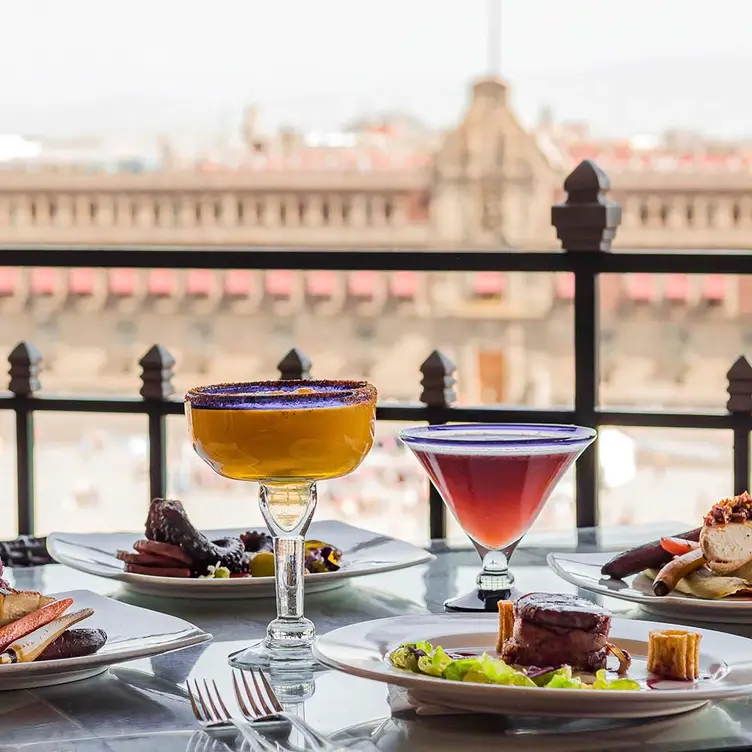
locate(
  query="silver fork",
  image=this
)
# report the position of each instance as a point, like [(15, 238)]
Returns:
[(213, 715), (265, 707)]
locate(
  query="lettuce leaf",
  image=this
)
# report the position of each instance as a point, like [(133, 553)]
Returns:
[(601, 682)]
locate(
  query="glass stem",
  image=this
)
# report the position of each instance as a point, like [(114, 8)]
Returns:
[(289, 570), (288, 509), (495, 575)]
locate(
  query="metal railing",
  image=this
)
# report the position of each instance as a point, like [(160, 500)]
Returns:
[(586, 224)]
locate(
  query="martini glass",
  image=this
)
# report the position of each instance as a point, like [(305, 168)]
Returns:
[(286, 436), (495, 479)]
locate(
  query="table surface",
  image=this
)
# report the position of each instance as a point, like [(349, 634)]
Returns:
[(126, 708)]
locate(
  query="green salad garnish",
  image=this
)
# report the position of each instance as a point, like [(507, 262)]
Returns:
[(424, 658)]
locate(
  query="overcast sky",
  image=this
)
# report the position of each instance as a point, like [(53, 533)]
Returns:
[(627, 66)]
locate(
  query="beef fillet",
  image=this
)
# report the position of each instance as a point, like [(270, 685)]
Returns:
[(552, 629)]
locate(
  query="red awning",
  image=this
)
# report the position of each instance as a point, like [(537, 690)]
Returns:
[(565, 286), (321, 284), (640, 287), (279, 283), (489, 283), (81, 282), (403, 285), (714, 287), (677, 288), (161, 283), (123, 282), (43, 281), (238, 283), (199, 282), (362, 284), (9, 277)]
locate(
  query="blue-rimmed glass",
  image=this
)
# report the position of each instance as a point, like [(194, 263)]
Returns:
[(284, 435), (495, 479)]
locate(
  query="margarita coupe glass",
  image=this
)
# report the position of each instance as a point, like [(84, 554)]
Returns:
[(495, 479), (286, 436)]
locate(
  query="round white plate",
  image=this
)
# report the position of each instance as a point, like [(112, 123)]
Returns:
[(132, 633), (362, 649), (363, 553), (584, 571)]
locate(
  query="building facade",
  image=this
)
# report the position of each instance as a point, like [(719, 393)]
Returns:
[(486, 184)]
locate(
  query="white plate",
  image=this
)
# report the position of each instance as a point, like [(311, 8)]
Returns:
[(362, 650), (132, 633), (584, 571), (363, 553)]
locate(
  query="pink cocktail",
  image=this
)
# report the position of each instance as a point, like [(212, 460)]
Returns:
[(495, 479)]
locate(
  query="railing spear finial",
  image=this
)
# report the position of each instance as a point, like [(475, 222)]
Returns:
[(438, 380), (25, 364), (587, 220), (294, 366), (157, 373), (740, 386)]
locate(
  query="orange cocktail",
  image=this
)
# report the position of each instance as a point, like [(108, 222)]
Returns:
[(285, 435), (311, 443)]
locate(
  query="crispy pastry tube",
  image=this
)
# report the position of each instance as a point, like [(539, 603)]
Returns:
[(674, 654), (506, 623)]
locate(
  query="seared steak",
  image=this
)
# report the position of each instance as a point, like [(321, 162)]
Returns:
[(552, 629)]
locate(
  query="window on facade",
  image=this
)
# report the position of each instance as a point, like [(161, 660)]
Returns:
[(388, 212), (260, 210), (93, 211), (736, 213), (690, 214), (302, 209), (644, 214), (33, 212), (325, 212), (283, 213), (369, 212), (217, 211), (240, 212), (665, 213), (712, 213), (345, 212)]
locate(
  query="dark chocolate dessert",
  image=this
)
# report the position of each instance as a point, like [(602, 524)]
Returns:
[(555, 629)]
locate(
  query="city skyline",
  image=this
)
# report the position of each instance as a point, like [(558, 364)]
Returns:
[(174, 67)]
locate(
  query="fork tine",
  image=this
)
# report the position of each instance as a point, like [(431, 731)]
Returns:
[(221, 701), (204, 706), (217, 714), (260, 695), (251, 698), (270, 692), (192, 699), (239, 697)]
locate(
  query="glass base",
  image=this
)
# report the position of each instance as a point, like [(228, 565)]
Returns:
[(478, 600), (290, 661)]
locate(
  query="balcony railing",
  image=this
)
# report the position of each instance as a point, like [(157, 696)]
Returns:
[(586, 224)]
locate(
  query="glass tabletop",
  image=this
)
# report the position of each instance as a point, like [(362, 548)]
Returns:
[(130, 706)]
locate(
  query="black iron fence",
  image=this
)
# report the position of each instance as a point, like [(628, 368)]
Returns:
[(585, 223)]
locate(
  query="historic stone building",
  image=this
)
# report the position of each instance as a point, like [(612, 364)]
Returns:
[(486, 184)]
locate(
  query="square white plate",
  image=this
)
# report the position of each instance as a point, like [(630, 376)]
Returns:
[(363, 553), (132, 632), (584, 571)]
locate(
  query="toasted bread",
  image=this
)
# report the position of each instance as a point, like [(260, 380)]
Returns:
[(15, 604), (727, 547)]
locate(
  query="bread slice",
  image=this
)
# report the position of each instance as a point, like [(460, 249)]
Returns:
[(728, 547), (17, 603)]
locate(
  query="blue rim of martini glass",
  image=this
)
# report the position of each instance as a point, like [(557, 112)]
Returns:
[(507, 435), (281, 395)]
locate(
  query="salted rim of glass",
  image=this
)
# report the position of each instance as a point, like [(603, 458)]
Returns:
[(540, 436), (250, 394)]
